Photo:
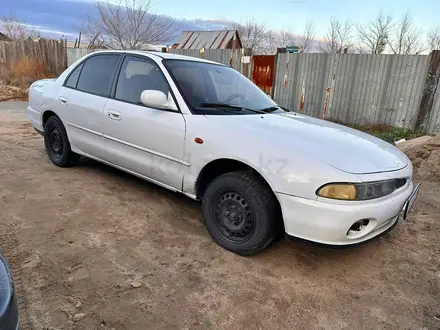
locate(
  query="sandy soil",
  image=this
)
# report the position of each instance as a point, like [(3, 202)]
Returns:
[(94, 248)]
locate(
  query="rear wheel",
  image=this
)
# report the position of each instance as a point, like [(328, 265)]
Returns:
[(240, 212), (57, 144)]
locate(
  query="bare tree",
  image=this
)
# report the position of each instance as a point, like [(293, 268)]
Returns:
[(287, 37), (127, 24), (280, 39), (407, 38), (254, 35), (15, 29), (373, 36), (308, 35), (434, 38), (339, 36)]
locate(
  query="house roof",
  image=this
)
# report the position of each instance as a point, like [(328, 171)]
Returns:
[(207, 39)]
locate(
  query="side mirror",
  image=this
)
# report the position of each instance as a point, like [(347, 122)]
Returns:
[(155, 99)]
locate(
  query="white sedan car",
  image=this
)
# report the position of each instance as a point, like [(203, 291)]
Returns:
[(203, 129)]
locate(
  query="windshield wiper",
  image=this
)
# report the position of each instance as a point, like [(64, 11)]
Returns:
[(270, 109), (228, 107), (275, 108)]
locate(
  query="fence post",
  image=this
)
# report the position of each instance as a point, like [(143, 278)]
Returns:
[(246, 68), (431, 85), (275, 66)]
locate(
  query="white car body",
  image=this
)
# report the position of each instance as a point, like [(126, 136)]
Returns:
[(294, 153)]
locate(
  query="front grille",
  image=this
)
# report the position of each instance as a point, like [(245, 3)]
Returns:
[(400, 182)]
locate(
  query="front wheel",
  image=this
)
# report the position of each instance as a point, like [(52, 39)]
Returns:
[(240, 212), (57, 144)]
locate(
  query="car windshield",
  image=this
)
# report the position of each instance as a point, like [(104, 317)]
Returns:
[(216, 89)]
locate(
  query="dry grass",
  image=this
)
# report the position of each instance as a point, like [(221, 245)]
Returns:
[(13, 93), (5, 74), (25, 71), (16, 78)]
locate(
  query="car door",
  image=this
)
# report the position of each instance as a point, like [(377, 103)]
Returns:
[(141, 139), (82, 98)]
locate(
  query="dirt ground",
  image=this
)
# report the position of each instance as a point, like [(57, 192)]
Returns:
[(94, 248)]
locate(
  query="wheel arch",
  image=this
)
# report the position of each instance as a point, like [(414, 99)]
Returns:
[(46, 115), (219, 166)]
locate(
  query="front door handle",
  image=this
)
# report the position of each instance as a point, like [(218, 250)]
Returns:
[(113, 114), (62, 100)]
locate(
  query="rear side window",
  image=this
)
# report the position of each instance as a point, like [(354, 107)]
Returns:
[(73, 78), (97, 74)]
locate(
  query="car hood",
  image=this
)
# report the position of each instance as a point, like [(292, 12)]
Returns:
[(339, 146)]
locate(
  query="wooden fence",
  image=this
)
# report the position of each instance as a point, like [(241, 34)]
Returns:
[(51, 53)]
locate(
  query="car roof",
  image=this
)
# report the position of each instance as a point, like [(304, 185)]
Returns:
[(160, 55)]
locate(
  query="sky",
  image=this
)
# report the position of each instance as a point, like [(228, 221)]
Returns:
[(279, 14), (62, 15)]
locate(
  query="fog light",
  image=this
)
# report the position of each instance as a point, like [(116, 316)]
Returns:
[(358, 227)]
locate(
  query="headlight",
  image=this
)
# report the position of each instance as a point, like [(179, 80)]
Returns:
[(338, 191), (372, 190), (360, 191)]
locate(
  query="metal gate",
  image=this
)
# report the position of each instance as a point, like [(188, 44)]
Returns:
[(263, 72)]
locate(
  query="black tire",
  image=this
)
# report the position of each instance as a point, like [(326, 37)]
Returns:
[(241, 212), (57, 144)]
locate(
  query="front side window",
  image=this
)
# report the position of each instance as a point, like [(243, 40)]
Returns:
[(137, 75), (217, 89), (97, 74)]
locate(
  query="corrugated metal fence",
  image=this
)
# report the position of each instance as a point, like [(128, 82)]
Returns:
[(353, 88), (433, 125)]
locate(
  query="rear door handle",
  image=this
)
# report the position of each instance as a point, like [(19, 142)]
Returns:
[(62, 100), (113, 114)]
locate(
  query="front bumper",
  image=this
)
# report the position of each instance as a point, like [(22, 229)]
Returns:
[(328, 222)]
